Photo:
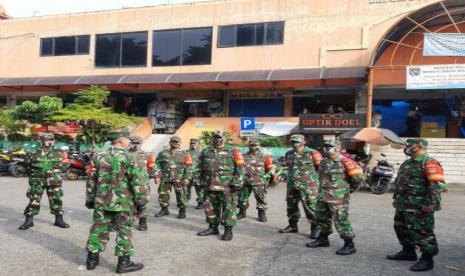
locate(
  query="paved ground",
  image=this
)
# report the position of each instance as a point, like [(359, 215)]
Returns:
[(170, 247)]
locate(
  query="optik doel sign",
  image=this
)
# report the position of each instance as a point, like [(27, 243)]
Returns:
[(331, 123)]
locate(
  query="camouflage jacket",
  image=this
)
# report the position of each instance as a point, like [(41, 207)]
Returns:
[(220, 168), (116, 183), (255, 170), (336, 177), (140, 160), (419, 182), (171, 166), (302, 167), (45, 163), (195, 170)]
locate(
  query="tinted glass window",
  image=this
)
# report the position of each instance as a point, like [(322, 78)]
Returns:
[(134, 49), (197, 46), (65, 46), (259, 34), (227, 36), (108, 50), (245, 35), (46, 47), (166, 48), (275, 33), (83, 42)]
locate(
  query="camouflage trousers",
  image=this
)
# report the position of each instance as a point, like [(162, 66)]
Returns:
[(259, 192), (308, 197), (100, 234), (143, 212), (416, 229), (54, 193), (164, 191), (221, 205), (327, 212), (199, 190)]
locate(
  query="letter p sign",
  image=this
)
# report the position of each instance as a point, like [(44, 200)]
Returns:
[(248, 123)]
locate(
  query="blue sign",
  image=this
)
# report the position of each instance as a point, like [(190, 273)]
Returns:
[(248, 123)]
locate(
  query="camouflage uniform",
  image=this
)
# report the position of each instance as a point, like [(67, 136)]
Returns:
[(419, 183), (255, 180), (196, 175), (114, 187), (172, 169), (141, 158)]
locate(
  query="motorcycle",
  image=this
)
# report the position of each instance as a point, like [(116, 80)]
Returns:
[(381, 176), (77, 165), (12, 163), (279, 171)]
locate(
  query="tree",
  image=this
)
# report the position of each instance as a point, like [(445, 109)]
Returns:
[(9, 126), (41, 113)]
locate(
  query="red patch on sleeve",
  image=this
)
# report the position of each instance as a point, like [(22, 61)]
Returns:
[(434, 172), (317, 157)]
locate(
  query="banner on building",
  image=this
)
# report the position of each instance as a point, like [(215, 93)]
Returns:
[(448, 76), (444, 44), (331, 123)]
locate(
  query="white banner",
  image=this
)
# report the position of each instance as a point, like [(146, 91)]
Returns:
[(447, 76), (444, 44), (277, 129)]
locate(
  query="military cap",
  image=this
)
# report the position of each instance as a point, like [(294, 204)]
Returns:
[(195, 140), (218, 133), (175, 139), (46, 136), (297, 138), (332, 143), (136, 139), (417, 141), (254, 143), (116, 134)]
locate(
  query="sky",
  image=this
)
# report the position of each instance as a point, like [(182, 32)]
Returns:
[(28, 8)]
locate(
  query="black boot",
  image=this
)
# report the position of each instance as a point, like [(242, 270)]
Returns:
[(212, 230), (242, 213), (112, 226), (60, 222), (425, 263), (182, 213), (93, 260), (321, 241), (199, 206), (262, 216), (142, 224), (163, 212), (228, 234), (291, 228), (28, 223), (407, 254), (125, 265), (348, 248), (314, 231)]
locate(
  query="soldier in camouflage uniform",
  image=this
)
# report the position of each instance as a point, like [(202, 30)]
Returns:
[(256, 168), (44, 169), (222, 175), (419, 183), (302, 185), (339, 176), (173, 169), (114, 189), (145, 164), (194, 151)]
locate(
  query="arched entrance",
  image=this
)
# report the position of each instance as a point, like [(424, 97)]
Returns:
[(403, 47)]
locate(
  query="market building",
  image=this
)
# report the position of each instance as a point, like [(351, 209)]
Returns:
[(245, 58)]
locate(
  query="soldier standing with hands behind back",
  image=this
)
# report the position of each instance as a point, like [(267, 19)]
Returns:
[(419, 184), (195, 152)]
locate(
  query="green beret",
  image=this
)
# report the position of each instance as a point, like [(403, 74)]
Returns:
[(417, 141), (116, 134), (297, 138), (332, 143), (46, 136)]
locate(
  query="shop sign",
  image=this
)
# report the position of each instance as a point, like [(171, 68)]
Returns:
[(331, 122), (444, 44), (258, 94), (448, 76), (388, 1)]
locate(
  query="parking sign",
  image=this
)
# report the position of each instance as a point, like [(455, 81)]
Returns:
[(248, 123)]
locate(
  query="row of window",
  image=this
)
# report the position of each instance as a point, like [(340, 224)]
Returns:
[(170, 47)]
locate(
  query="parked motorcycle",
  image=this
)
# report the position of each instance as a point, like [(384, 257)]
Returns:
[(12, 163), (77, 165), (381, 176)]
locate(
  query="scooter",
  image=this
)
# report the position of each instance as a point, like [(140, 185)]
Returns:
[(76, 166), (12, 162), (381, 176)]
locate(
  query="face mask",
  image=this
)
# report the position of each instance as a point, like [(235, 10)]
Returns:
[(193, 146), (410, 151), (134, 147), (48, 143), (297, 144), (175, 145), (254, 148), (330, 151), (218, 141)]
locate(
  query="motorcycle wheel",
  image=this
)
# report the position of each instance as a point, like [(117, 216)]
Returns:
[(18, 171), (72, 175), (380, 187)]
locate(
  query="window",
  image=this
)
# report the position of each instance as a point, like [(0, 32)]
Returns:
[(64, 45), (121, 50), (251, 34), (182, 47)]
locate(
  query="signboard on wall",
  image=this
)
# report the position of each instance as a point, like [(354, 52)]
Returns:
[(444, 44), (447, 76), (331, 123), (258, 94)]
